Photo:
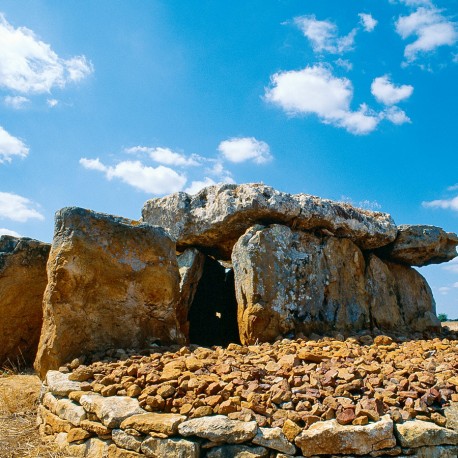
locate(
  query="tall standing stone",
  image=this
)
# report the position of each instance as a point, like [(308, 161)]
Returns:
[(113, 282), (22, 284), (288, 280)]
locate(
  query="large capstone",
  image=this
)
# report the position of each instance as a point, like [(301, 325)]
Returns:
[(22, 284), (421, 245), (113, 283), (214, 218)]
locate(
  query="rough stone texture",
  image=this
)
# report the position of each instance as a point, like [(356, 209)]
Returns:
[(112, 410), (275, 439), (451, 414), (287, 281), (105, 271), (436, 452), (415, 298), (217, 216), (127, 441), (219, 428), (423, 433), (166, 448), (70, 411), (59, 384), (421, 245), (237, 451), (191, 264), (329, 436), (165, 423), (22, 284)]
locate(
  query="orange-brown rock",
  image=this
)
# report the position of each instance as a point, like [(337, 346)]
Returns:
[(113, 282), (22, 284)]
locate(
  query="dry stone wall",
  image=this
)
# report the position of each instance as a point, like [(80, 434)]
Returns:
[(365, 398)]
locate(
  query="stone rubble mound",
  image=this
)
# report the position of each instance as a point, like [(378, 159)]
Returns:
[(366, 397)]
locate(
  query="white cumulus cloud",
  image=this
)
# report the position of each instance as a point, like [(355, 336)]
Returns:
[(11, 147), (315, 90), (17, 102), (52, 102), (4, 231), (387, 93), (431, 29), (446, 204), (18, 208), (452, 266), (155, 180), (29, 65), (242, 149), (323, 35), (166, 156), (367, 21), (396, 115)]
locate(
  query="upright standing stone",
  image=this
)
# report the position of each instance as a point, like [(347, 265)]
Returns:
[(113, 282), (22, 284), (288, 280)]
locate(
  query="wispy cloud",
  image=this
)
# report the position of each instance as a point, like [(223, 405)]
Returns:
[(315, 90), (323, 35), (367, 21), (11, 147), (452, 266), (388, 93), (446, 204), (17, 102), (395, 115), (166, 156), (18, 208), (430, 27), (242, 149), (30, 65)]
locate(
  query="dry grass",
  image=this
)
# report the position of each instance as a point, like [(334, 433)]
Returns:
[(452, 325), (19, 435)]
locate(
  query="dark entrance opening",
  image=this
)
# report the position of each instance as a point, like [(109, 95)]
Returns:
[(213, 313)]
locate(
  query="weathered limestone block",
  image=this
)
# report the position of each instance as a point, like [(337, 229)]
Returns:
[(127, 441), (415, 298), (329, 437), (113, 282), (420, 433), (111, 410), (274, 438), (219, 428), (165, 423), (116, 452), (421, 245), (59, 384), (436, 451), (173, 447), (288, 280), (217, 216), (451, 414), (22, 284), (191, 264)]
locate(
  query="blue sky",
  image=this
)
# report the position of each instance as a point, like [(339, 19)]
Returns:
[(106, 104)]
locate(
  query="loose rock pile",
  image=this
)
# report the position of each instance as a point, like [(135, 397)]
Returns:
[(371, 397)]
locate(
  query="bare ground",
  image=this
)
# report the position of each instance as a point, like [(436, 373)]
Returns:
[(18, 431)]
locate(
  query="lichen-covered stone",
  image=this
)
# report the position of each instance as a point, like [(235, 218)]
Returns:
[(274, 438), (329, 437), (127, 441), (165, 423), (22, 284), (420, 433), (219, 428), (421, 245), (237, 451), (104, 272), (173, 447), (59, 384), (112, 410), (217, 216), (288, 280)]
